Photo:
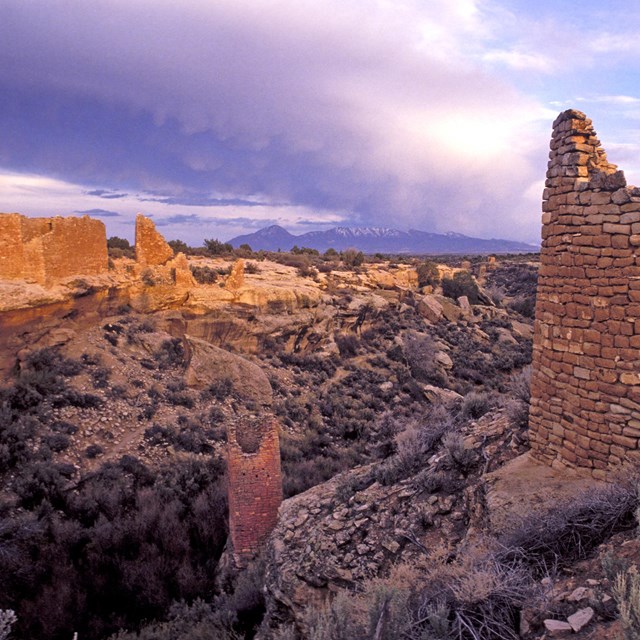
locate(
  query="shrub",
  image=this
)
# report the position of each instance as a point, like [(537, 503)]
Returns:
[(118, 243), (420, 352), (520, 385), (215, 248), (304, 250), (181, 399), (148, 278), (352, 257), (428, 274), (475, 405), (457, 456), (93, 451), (462, 284), (7, 619), (179, 246), (331, 255), (119, 248), (307, 271), (251, 267), (62, 426), (347, 345), (572, 530), (414, 441), (220, 389), (496, 294), (204, 274), (518, 413), (100, 377), (626, 592), (57, 442), (300, 261), (524, 305), (170, 354)]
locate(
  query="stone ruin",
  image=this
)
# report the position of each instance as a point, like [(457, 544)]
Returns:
[(254, 485), (585, 387), (151, 247), (236, 277), (48, 250)]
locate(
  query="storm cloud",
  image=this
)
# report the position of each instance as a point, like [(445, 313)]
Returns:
[(379, 112)]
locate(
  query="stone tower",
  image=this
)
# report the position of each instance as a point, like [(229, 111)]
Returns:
[(255, 484), (585, 388)]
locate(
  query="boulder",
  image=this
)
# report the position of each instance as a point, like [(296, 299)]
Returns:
[(430, 309), (437, 394), (463, 303), (581, 618), (557, 628), (209, 364)]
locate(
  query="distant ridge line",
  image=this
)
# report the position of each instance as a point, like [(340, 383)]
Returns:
[(378, 240)]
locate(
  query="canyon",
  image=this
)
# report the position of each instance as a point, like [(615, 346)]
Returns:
[(377, 434)]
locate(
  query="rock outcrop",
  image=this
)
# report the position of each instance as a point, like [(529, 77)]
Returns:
[(352, 528), (48, 250), (209, 364), (151, 247), (585, 402)]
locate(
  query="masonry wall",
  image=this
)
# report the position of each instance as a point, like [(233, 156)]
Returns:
[(11, 246), (151, 247), (585, 389), (255, 485), (75, 246), (47, 250)]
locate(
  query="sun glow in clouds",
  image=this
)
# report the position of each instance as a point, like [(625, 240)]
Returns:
[(353, 111)]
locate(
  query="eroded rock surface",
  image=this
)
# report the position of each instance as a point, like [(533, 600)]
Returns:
[(209, 364)]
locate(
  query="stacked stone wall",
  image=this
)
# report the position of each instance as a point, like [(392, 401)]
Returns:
[(151, 248), (11, 247), (74, 246), (47, 250), (255, 485), (585, 390)]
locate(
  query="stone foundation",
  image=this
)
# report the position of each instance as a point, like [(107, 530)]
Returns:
[(585, 388)]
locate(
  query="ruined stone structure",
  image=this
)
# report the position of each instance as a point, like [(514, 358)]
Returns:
[(151, 247), (236, 277), (48, 250), (585, 388), (255, 485)]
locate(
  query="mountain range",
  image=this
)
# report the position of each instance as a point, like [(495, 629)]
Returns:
[(378, 240)]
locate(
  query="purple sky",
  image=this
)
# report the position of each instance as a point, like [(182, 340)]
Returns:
[(218, 117)]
